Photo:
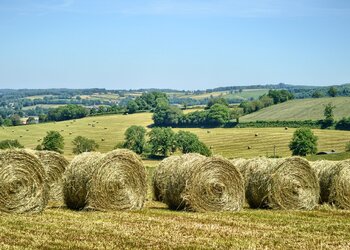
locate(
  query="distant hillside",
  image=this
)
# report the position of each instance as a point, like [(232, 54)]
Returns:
[(301, 109)]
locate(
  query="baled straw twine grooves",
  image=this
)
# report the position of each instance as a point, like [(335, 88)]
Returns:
[(334, 180), (119, 182), (112, 181), (76, 179), (161, 176), (288, 183), (198, 183), (54, 164), (23, 186)]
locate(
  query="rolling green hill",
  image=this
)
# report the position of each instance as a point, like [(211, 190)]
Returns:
[(301, 109), (228, 142)]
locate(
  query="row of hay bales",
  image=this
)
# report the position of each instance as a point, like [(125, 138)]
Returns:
[(196, 183), (29, 180), (117, 181)]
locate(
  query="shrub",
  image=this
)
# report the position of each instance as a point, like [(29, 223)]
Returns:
[(304, 142), (162, 141), (53, 141), (135, 139), (5, 144), (83, 144), (188, 142)]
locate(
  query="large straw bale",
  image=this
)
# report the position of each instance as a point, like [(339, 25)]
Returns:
[(55, 164), (23, 185), (76, 178), (198, 183), (161, 176), (119, 182), (113, 181), (288, 183), (334, 180)]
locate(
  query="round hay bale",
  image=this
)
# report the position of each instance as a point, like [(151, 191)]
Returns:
[(198, 183), (161, 176), (55, 164), (76, 178), (119, 182), (288, 183), (22, 181), (240, 164), (334, 178)]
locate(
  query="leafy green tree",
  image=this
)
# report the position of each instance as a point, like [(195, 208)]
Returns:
[(332, 91), (15, 120), (10, 144), (67, 112), (218, 115), (329, 115), (279, 96), (53, 141), (317, 94), (162, 141), (1, 121), (7, 122), (188, 142), (132, 107), (343, 124), (135, 139), (217, 100), (304, 142), (83, 144), (166, 115)]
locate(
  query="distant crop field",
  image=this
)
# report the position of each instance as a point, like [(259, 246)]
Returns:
[(46, 106), (228, 142), (244, 95), (301, 109)]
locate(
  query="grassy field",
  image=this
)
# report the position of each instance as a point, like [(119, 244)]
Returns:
[(158, 228), (229, 142), (301, 109), (245, 94)]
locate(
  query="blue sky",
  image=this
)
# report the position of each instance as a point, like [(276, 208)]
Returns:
[(183, 44)]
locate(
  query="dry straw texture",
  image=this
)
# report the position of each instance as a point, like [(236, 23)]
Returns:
[(76, 179), (334, 180), (113, 181), (198, 183), (23, 185), (288, 183), (55, 164), (119, 182), (161, 176)]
